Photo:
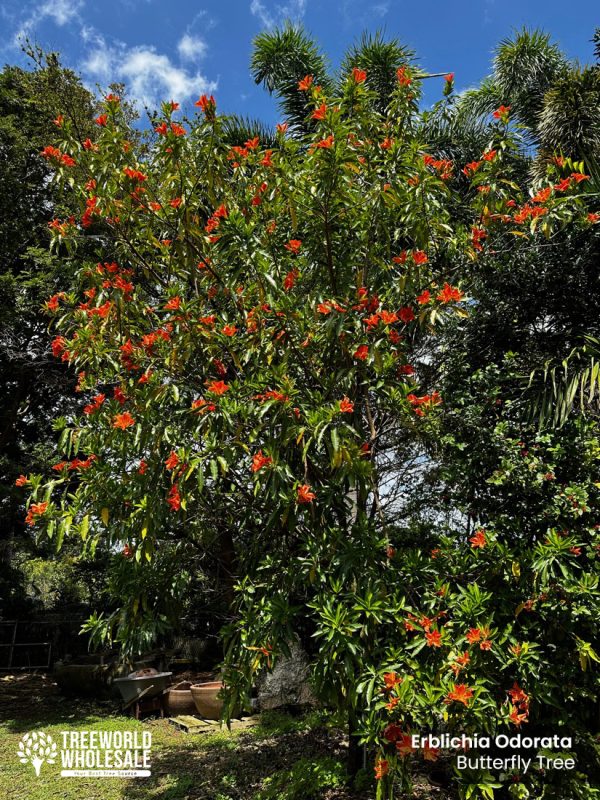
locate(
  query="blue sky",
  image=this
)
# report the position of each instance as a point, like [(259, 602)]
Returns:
[(181, 48)]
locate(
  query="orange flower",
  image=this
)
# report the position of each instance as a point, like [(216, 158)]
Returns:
[(542, 195), (501, 112), (361, 353), (294, 245), (473, 635), (259, 461), (95, 404), (479, 539), (229, 330), (430, 753), (392, 732), (449, 294), (424, 297), (477, 237), (202, 406), (173, 304), (142, 467), (464, 659), (35, 510), (381, 768), (434, 639), (485, 645), (22, 480), (346, 406), (207, 104), (471, 167), (320, 112), (517, 695), (516, 718), (403, 78), (404, 745), (306, 82), (176, 202), (305, 494), (290, 279), (460, 694), (391, 680), (325, 144), (563, 185), (359, 75), (172, 461), (174, 498), (123, 421), (218, 387)]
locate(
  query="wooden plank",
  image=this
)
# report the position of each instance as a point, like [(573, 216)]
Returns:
[(190, 724)]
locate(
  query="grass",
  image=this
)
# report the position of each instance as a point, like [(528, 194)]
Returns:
[(224, 765), (282, 758)]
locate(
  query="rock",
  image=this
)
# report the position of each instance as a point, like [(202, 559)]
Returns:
[(288, 684)]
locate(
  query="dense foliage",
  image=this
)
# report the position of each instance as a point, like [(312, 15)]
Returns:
[(261, 350), (34, 388)]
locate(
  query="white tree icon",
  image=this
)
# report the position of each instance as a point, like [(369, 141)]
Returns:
[(36, 748)]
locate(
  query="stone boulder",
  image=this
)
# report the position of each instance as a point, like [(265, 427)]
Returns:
[(288, 684)]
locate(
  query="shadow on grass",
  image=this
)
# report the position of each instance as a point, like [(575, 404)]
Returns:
[(230, 767)]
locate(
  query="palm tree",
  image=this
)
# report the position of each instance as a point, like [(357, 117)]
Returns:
[(555, 101), (282, 57)]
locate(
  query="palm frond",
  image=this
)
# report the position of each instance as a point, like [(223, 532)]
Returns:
[(569, 118), (281, 58), (236, 130), (526, 66), (380, 58), (479, 103), (559, 389)]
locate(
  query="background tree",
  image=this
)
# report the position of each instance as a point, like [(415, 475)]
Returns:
[(34, 388)]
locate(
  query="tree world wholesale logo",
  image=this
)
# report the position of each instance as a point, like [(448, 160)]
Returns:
[(90, 754)]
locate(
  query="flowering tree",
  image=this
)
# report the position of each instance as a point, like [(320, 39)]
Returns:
[(255, 348)]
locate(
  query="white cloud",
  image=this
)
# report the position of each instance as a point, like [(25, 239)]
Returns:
[(380, 9), (269, 17), (60, 11), (191, 48), (150, 76)]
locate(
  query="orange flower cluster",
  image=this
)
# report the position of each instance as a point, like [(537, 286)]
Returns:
[(54, 154), (94, 404), (123, 421), (35, 510), (259, 460), (461, 693), (304, 494), (423, 403), (519, 712)]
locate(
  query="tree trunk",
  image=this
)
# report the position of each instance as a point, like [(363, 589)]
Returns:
[(355, 750)]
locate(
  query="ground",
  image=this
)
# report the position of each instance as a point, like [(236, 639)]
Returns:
[(282, 758)]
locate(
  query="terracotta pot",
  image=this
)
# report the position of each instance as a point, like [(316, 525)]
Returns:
[(208, 705), (179, 700)]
